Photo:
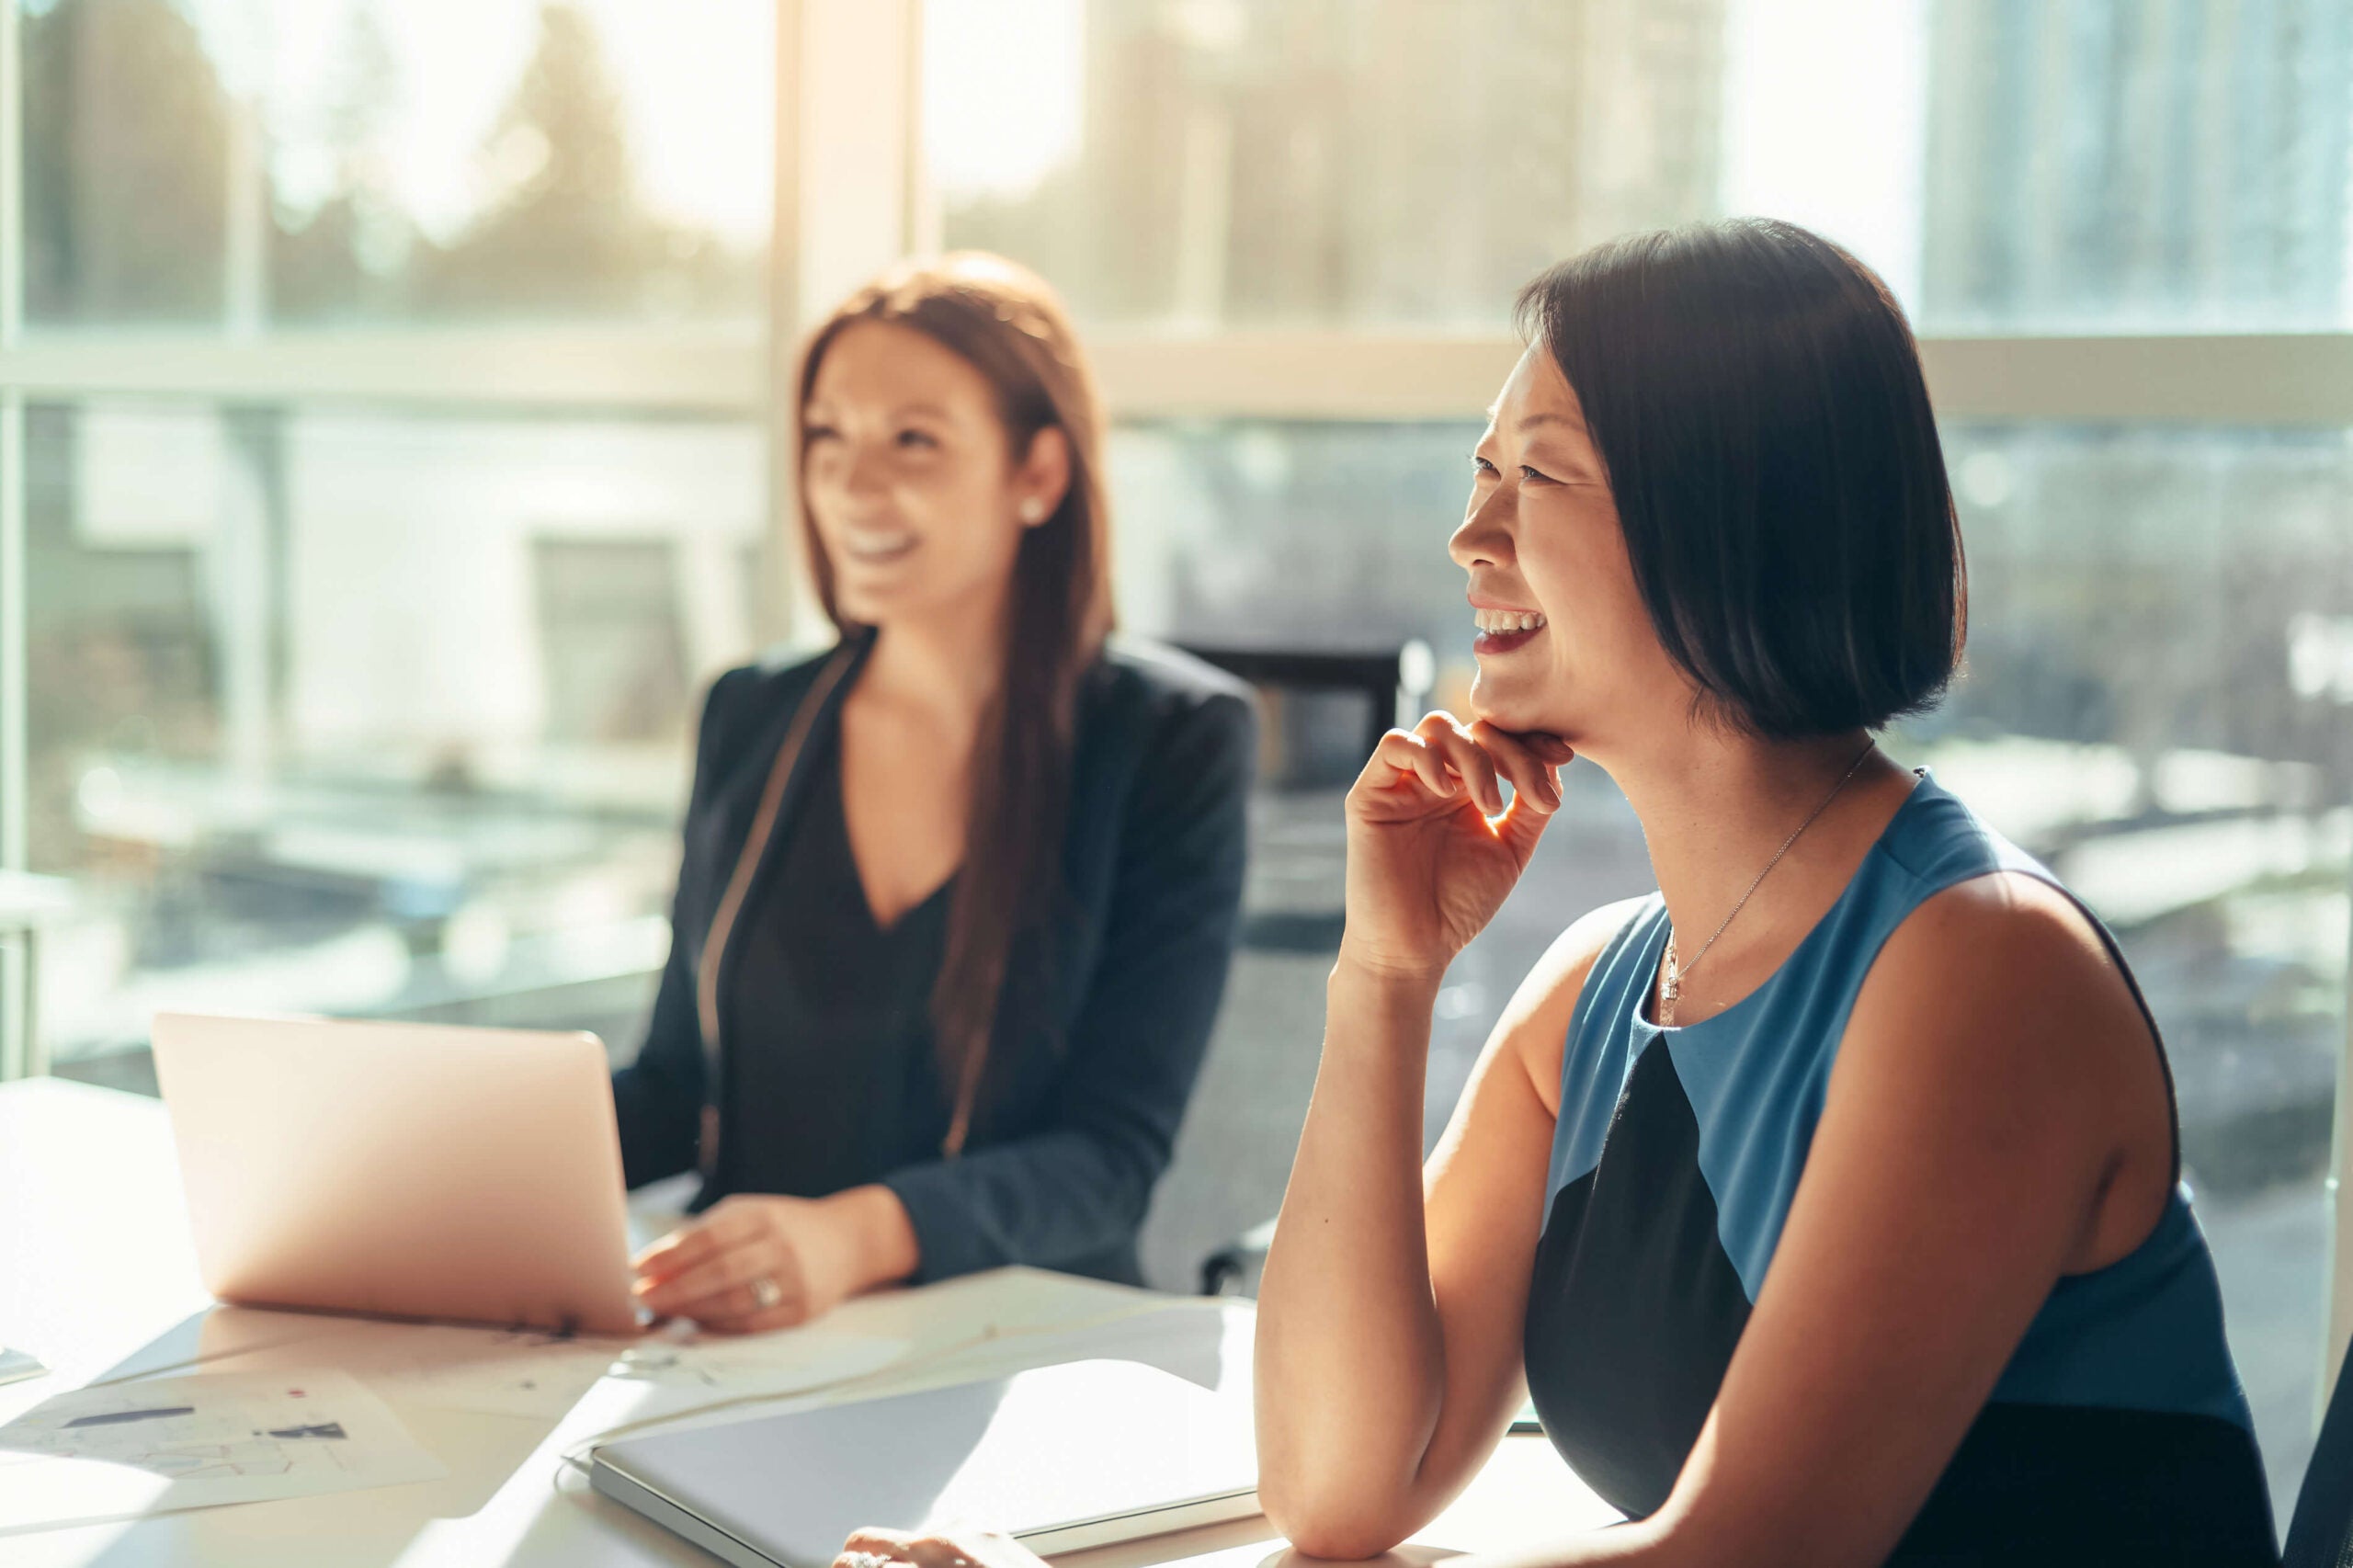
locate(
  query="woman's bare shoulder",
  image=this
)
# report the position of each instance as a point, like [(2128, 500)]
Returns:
[(1997, 1003), (1535, 1024), (2005, 932)]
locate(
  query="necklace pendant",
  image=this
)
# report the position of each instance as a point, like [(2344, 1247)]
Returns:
[(1671, 987)]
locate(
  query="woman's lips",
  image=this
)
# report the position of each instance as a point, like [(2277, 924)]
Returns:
[(1489, 643), (876, 549), (1502, 630)]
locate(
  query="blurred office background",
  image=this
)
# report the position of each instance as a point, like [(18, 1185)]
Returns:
[(388, 457)]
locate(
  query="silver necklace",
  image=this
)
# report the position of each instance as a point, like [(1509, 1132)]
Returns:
[(1674, 972)]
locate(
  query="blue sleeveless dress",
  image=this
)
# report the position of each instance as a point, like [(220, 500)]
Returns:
[(2118, 1431)]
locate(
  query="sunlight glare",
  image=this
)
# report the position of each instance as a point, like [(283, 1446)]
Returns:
[(694, 84), (1001, 94), (1825, 123)]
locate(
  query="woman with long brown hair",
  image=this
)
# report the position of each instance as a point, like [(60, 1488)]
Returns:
[(958, 895)]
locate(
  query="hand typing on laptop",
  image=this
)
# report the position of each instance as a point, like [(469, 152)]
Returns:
[(756, 1261)]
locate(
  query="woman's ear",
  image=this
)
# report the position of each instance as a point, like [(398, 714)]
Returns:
[(1045, 476)]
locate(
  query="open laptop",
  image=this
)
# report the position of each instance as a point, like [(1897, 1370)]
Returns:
[(1084, 1454), (403, 1170)]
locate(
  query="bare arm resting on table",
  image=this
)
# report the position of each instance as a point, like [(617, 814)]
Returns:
[(1389, 1315), (1358, 1445), (1964, 1161), (1974, 1123)]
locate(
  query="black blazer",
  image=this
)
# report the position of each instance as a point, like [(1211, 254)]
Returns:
[(1100, 1028)]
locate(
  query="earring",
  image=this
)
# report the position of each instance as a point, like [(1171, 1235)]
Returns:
[(1033, 510)]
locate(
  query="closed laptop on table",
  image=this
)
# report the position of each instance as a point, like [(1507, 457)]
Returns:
[(1081, 1454)]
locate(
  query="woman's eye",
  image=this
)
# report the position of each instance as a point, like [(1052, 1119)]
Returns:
[(1533, 476), (813, 434), (917, 440), (1481, 465)]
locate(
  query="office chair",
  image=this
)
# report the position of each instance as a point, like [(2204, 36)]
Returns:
[(2319, 1533), (1321, 715), (1280, 675)]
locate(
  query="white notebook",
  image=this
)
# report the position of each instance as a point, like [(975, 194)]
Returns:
[(1078, 1454)]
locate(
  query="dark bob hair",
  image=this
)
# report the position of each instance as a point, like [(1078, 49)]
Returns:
[(1757, 399)]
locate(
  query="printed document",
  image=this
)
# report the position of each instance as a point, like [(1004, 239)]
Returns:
[(154, 1446)]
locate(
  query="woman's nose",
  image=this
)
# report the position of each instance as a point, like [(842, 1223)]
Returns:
[(863, 474), (1484, 537)]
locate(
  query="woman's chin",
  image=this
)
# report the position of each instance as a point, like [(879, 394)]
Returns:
[(1513, 711), (867, 607)]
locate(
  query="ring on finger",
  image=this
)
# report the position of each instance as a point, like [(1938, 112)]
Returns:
[(767, 1293)]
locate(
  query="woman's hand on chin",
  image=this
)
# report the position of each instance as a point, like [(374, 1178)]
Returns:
[(1433, 851), (947, 1549)]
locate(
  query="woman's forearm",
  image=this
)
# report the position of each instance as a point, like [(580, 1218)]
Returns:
[(1350, 1361)]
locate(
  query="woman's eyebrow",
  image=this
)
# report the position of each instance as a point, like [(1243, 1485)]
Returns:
[(1541, 417), (817, 407)]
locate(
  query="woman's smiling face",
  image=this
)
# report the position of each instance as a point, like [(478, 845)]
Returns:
[(1565, 645), (917, 501)]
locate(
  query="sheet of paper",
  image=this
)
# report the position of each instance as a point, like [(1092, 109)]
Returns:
[(501, 1372), (163, 1444), (792, 1360), (524, 1372)]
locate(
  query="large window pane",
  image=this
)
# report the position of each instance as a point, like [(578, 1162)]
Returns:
[(126, 164), (366, 713), (1173, 161), (2010, 164), (2138, 164), (2159, 703), (208, 161)]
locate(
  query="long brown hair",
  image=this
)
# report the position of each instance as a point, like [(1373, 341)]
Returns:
[(1007, 323)]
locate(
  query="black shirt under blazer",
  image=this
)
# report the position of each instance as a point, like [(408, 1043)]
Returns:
[(1100, 1029)]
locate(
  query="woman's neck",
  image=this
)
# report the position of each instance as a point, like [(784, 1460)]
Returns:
[(946, 667), (1715, 810)]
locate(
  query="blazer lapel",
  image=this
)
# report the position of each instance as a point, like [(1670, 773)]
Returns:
[(781, 789)]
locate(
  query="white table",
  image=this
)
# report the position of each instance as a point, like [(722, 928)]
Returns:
[(97, 1274)]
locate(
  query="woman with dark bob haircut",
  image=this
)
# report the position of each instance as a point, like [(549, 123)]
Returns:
[(1826, 1201)]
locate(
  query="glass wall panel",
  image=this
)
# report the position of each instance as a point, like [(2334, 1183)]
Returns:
[(2010, 164), (2145, 165), (329, 161), (2157, 704), (1362, 162), (368, 713)]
